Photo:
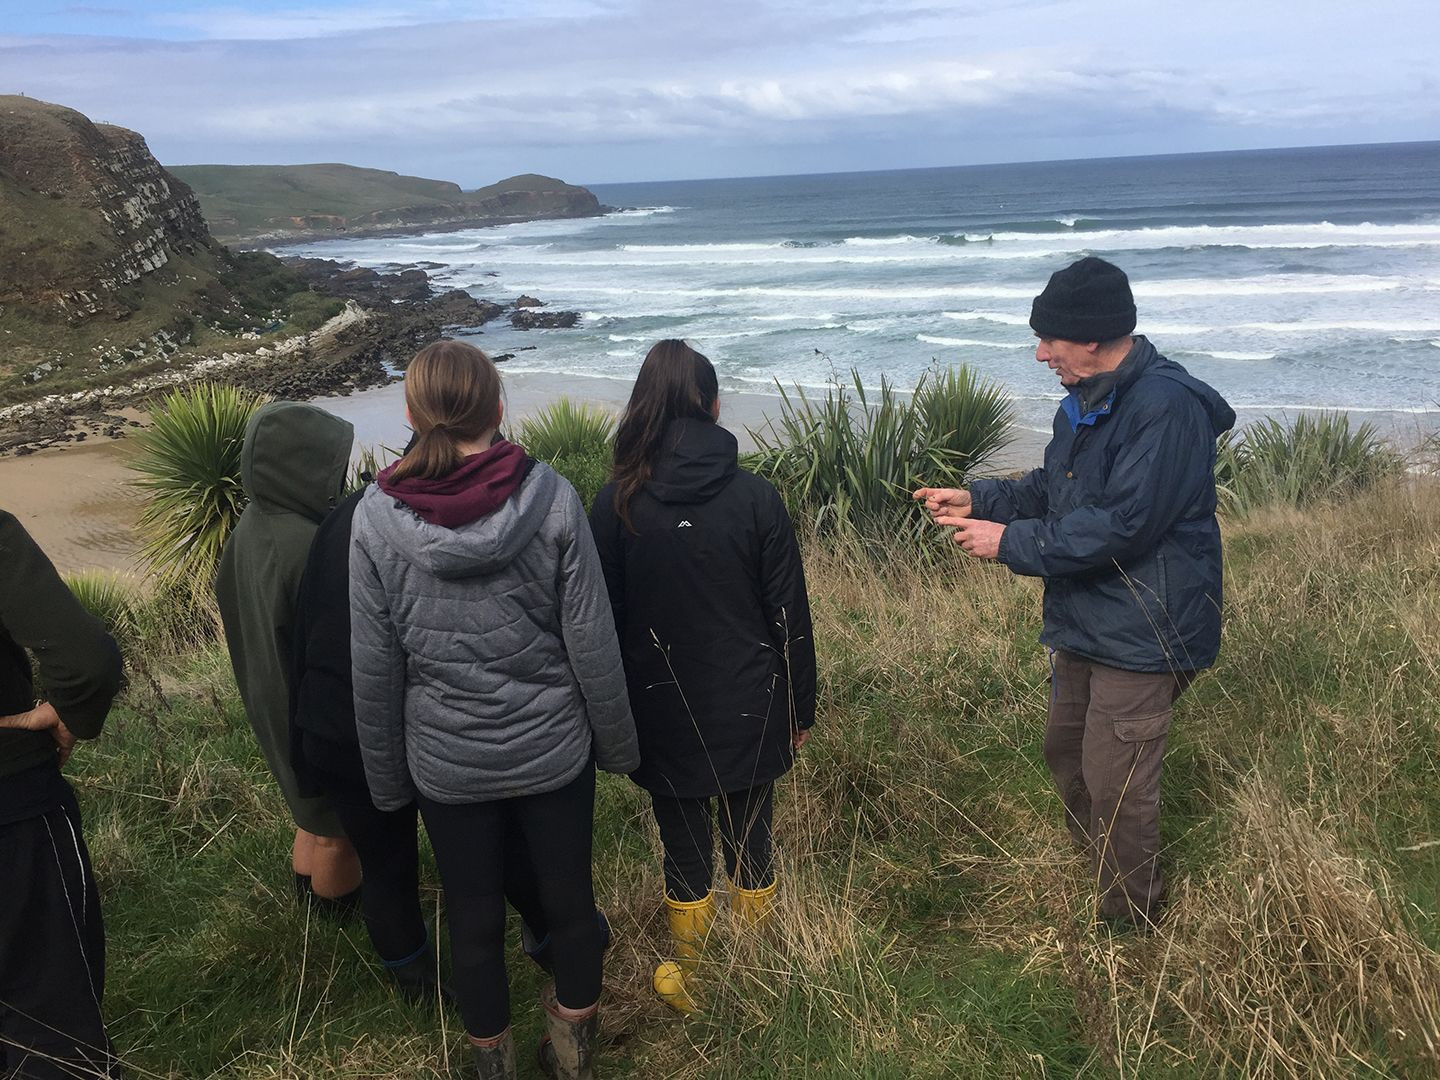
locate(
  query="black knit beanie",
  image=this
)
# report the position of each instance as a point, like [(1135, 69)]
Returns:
[(1087, 301)]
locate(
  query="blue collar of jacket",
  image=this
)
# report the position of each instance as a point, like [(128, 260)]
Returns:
[(1071, 405), (1140, 357)]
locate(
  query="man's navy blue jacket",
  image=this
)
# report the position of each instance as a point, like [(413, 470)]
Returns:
[(1121, 521)]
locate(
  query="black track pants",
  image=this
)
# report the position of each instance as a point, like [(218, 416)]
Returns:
[(745, 835), (52, 952)]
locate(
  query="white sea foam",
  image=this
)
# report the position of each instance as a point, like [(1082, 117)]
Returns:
[(885, 241), (966, 343), (643, 211), (1219, 354), (1283, 407), (987, 316)]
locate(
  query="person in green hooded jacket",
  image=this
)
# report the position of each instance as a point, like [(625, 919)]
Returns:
[(293, 467)]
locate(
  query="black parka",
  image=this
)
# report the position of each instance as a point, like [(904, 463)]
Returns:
[(322, 704), (714, 622)]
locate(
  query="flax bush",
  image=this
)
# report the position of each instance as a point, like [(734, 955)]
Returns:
[(849, 460), (575, 440), (1312, 459), (189, 466)]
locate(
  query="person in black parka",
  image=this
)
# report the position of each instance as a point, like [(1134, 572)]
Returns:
[(52, 936), (708, 590)]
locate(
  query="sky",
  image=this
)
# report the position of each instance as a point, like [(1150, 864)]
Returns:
[(598, 91)]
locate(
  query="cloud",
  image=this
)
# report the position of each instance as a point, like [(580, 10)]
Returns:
[(328, 21), (633, 87)]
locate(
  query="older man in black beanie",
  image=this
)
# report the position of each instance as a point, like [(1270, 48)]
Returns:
[(1120, 524)]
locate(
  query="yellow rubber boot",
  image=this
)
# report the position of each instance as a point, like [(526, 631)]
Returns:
[(753, 907), (690, 923)]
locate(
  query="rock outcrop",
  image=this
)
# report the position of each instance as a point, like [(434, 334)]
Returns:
[(88, 217)]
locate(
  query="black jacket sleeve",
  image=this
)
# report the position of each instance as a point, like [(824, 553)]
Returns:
[(787, 605), (605, 526), (79, 662)]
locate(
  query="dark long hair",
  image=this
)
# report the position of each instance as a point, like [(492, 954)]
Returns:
[(453, 393), (675, 382)]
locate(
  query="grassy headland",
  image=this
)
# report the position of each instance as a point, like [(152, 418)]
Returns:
[(289, 202), (933, 920)]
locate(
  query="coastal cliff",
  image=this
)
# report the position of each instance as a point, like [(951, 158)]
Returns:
[(252, 204), (89, 220)]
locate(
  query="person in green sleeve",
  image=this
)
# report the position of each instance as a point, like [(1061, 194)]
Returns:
[(52, 938), (293, 466)]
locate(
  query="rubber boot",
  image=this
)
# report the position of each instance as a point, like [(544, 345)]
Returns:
[(568, 1048), (416, 977), (494, 1057), (753, 907), (690, 923)]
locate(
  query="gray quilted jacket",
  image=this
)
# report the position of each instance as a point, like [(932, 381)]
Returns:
[(485, 660)]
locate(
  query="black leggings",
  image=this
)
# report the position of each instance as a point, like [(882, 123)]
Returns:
[(389, 851), (470, 842), (745, 822)]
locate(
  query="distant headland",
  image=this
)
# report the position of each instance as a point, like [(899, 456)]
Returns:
[(250, 205)]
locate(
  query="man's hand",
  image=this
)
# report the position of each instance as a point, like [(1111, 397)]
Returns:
[(43, 718), (979, 538), (799, 737), (947, 506)]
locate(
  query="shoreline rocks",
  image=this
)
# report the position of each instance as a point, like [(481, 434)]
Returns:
[(388, 318)]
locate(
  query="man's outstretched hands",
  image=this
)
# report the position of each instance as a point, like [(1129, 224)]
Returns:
[(44, 718), (951, 507), (947, 506)]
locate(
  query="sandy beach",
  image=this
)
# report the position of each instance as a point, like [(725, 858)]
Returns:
[(78, 502)]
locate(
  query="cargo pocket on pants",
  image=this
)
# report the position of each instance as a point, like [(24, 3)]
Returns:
[(1137, 729)]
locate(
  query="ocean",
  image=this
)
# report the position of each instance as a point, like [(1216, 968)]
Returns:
[(1289, 279)]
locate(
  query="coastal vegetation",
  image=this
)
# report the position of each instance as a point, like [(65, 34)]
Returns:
[(1313, 459), (849, 460), (933, 919), (189, 466), (575, 440)]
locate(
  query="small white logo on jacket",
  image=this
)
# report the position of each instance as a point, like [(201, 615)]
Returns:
[(684, 525)]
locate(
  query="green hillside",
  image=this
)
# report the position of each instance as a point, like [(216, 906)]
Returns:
[(244, 202)]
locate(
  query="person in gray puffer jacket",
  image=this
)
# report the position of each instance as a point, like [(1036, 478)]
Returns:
[(488, 686)]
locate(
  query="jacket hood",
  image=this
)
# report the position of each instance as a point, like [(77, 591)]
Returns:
[(482, 546), (295, 459), (1147, 360), (478, 487), (697, 459)]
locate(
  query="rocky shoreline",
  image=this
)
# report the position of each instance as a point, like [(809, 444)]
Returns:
[(388, 317)]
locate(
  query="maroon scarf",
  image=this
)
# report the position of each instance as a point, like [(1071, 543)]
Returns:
[(478, 487)]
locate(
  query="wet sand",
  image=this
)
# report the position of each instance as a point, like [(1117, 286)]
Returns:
[(78, 503)]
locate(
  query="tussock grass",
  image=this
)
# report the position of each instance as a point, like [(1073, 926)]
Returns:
[(933, 920)]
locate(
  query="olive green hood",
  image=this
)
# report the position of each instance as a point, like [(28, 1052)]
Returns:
[(295, 459)]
